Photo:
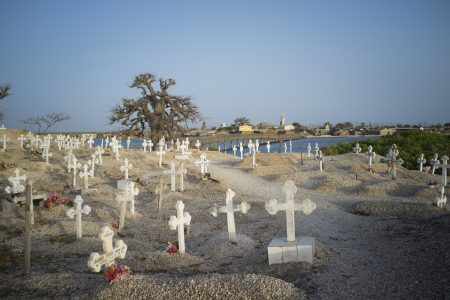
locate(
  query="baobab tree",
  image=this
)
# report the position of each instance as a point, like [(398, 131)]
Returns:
[(155, 109)]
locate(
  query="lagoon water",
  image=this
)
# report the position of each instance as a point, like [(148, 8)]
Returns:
[(297, 145)]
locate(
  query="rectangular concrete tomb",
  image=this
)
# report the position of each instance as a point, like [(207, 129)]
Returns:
[(281, 251)]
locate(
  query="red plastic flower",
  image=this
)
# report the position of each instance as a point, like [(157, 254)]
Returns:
[(116, 272), (172, 248)]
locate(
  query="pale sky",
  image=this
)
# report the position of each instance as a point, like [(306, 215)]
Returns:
[(314, 61)]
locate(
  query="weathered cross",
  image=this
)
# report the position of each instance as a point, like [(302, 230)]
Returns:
[(178, 222), (77, 212), (75, 166), (125, 167), (92, 162), (130, 192), (16, 186), (357, 148), (229, 209), (21, 140), (99, 152), (85, 175), (392, 160), (45, 152), (268, 146), (144, 145), (320, 157), (128, 143), (203, 162), (370, 155), (290, 207), (444, 167), (309, 149), (421, 160), (434, 161), (197, 144), (4, 140), (161, 151), (316, 149), (96, 261), (69, 158)]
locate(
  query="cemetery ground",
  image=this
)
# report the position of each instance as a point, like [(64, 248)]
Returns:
[(376, 237)]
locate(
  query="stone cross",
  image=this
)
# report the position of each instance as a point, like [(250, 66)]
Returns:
[(309, 149), (197, 144), (290, 207), (268, 146), (251, 146), (144, 145), (125, 167), (254, 160), (90, 142), (370, 155), (203, 162), (172, 173), (392, 161), (128, 143), (357, 148), (45, 152), (150, 145), (4, 140), (85, 175), (21, 140), (182, 170), (99, 152), (92, 162), (440, 201), (320, 157), (257, 145), (96, 261), (444, 167), (229, 209), (421, 160), (316, 149), (75, 166), (161, 152), (186, 142), (290, 146), (16, 186), (285, 147), (77, 212), (234, 150), (178, 222), (434, 161), (69, 158), (241, 150), (130, 192), (177, 143)]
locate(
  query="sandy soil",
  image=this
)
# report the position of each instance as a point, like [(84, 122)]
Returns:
[(376, 237)]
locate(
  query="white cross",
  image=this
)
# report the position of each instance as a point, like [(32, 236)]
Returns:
[(254, 160), (186, 142), (150, 145), (434, 161), (320, 157), (16, 186), (421, 160), (241, 150), (144, 145), (392, 161), (4, 140), (85, 175), (290, 146), (92, 162), (197, 144), (125, 167), (177, 143), (290, 207), (99, 152), (370, 155), (268, 146), (45, 152), (316, 149), (75, 166), (309, 149), (440, 201), (128, 143), (173, 172), (285, 147), (250, 146), (257, 145), (178, 222), (182, 170), (444, 167), (90, 142), (357, 148), (161, 152), (77, 212), (96, 260), (130, 192), (22, 139), (203, 162), (229, 209), (234, 149)]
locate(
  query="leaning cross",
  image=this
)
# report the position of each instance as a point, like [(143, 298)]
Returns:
[(229, 209), (125, 167), (421, 160), (444, 167), (96, 260), (290, 207), (178, 222), (77, 212)]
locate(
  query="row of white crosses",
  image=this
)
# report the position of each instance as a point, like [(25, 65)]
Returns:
[(146, 144)]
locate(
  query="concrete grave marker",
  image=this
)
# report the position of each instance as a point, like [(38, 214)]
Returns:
[(282, 250), (370, 156), (75, 166), (150, 145), (442, 199), (290, 146), (444, 166), (92, 162), (90, 142), (203, 162), (234, 150), (421, 160), (229, 209), (250, 146), (85, 175), (161, 151), (357, 148), (178, 222), (434, 161), (77, 212), (16, 183), (4, 140), (22, 139), (241, 150), (257, 145), (268, 146), (125, 167), (99, 153), (285, 147), (197, 144), (96, 260), (320, 157), (316, 150)]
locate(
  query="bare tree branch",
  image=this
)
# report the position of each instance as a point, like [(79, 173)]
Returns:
[(46, 121), (5, 91)]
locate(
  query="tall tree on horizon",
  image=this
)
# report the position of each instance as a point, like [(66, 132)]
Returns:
[(163, 113)]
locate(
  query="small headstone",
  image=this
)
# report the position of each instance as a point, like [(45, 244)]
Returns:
[(229, 209), (96, 261), (178, 222), (77, 212)]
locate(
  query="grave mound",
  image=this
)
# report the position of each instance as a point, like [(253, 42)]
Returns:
[(394, 209), (161, 261), (220, 247)]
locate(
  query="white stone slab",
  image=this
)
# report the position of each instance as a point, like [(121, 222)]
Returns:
[(301, 250)]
